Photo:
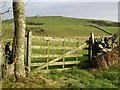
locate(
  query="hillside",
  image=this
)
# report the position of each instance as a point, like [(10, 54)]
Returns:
[(61, 26)]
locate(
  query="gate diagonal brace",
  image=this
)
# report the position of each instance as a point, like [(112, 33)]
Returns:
[(60, 57)]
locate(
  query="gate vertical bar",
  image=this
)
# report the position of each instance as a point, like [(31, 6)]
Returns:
[(47, 52), (77, 45), (29, 51), (63, 52)]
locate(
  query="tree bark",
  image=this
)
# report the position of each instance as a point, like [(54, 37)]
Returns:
[(19, 38), (1, 54)]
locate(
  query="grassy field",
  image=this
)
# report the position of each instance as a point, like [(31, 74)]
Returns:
[(58, 26), (73, 78), (77, 77)]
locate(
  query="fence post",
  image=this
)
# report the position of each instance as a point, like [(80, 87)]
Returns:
[(92, 42), (29, 51), (91, 50)]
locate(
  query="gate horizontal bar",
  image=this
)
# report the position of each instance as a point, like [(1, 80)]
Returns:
[(49, 47), (55, 55), (57, 39), (48, 71), (56, 63)]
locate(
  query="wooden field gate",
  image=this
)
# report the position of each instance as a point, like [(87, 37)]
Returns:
[(57, 59)]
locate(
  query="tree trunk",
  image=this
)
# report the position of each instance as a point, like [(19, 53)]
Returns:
[(19, 38), (1, 54)]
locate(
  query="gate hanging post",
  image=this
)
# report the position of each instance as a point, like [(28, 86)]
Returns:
[(29, 51)]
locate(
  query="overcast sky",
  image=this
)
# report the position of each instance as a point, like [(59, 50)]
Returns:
[(67, 0), (68, 8)]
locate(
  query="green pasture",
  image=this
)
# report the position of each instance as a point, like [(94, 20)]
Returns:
[(111, 29), (58, 26)]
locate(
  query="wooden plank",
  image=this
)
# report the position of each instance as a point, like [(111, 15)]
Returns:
[(54, 55), (93, 41), (47, 53), (48, 71), (43, 56), (63, 53), (57, 39), (60, 57), (92, 38), (56, 63), (77, 45), (91, 46), (50, 47)]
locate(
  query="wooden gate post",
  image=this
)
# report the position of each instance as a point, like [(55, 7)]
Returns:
[(91, 50), (92, 42), (29, 51)]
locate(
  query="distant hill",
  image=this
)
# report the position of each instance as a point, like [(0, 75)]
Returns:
[(62, 26)]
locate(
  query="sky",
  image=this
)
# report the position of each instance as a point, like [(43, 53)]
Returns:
[(70, 8), (67, 0)]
